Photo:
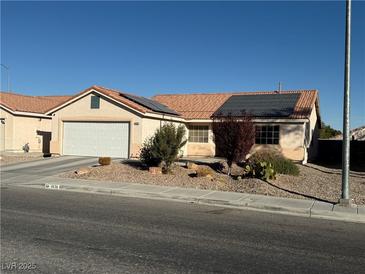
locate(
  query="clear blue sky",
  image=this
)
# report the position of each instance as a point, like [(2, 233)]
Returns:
[(159, 47)]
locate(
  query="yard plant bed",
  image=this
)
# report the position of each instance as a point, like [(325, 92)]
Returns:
[(314, 182)]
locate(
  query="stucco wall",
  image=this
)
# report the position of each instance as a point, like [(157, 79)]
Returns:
[(7, 143), (291, 143), (202, 149), (149, 127), (80, 110), (20, 130), (312, 135)]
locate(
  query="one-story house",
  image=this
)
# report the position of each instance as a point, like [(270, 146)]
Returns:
[(105, 122), (23, 121), (100, 121), (286, 121)]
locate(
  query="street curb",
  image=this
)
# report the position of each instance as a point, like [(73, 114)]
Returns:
[(241, 203)]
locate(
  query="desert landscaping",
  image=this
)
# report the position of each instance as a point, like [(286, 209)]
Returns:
[(313, 182)]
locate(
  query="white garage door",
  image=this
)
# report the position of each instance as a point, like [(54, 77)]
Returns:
[(109, 139)]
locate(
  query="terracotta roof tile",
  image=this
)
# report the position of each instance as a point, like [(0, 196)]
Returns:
[(33, 104), (203, 105), (190, 106), (114, 94), (118, 95)]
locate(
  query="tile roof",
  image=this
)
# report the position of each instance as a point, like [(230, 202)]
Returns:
[(33, 104), (127, 99), (117, 95), (190, 106), (203, 105)]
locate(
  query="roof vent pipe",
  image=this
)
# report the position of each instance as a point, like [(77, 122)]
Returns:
[(279, 89)]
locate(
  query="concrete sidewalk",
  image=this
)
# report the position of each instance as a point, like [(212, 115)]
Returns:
[(309, 208)]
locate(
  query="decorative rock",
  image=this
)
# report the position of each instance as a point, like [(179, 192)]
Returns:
[(209, 176), (155, 170), (191, 165), (204, 171), (105, 161), (236, 170), (82, 171)]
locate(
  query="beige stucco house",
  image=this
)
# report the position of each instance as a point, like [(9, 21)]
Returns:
[(23, 121), (105, 122), (100, 121), (285, 121)]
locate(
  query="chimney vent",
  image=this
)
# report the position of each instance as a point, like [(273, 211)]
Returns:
[(279, 89)]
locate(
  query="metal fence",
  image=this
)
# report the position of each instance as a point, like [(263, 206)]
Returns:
[(331, 151)]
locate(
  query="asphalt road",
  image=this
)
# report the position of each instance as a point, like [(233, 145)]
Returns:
[(63, 232)]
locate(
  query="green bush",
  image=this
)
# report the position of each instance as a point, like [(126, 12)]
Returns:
[(261, 170), (105, 161), (279, 163), (163, 148), (148, 155)]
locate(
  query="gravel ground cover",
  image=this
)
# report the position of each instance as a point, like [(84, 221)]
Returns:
[(314, 182), (12, 158)]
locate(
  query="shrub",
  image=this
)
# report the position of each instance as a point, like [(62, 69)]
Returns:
[(279, 163), (148, 155), (261, 170), (105, 161), (234, 137), (163, 148), (26, 148)]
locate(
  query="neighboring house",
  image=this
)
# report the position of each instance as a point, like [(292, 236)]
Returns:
[(357, 134), (23, 121), (286, 121), (106, 122)]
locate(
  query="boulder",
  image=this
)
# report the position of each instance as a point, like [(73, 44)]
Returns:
[(209, 176), (236, 170), (191, 165), (204, 171), (155, 170), (82, 171)]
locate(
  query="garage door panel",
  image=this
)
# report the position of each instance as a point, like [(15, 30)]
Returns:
[(96, 139)]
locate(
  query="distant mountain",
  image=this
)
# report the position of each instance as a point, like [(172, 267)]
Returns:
[(356, 134)]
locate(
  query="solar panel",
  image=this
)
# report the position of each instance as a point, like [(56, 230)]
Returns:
[(260, 105), (151, 104)]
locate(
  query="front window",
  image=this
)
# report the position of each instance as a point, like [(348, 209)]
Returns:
[(267, 134), (198, 134)]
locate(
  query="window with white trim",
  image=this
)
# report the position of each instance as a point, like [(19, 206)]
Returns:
[(198, 134), (267, 134)]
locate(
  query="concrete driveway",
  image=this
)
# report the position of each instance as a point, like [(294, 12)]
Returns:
[(33, 170)]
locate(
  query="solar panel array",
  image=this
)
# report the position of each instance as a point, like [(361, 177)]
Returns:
[(260, 105), (151, 104)]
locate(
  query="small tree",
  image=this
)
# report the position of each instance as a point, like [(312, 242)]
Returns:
[(234, 136), (327, 132), (163, 148)]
